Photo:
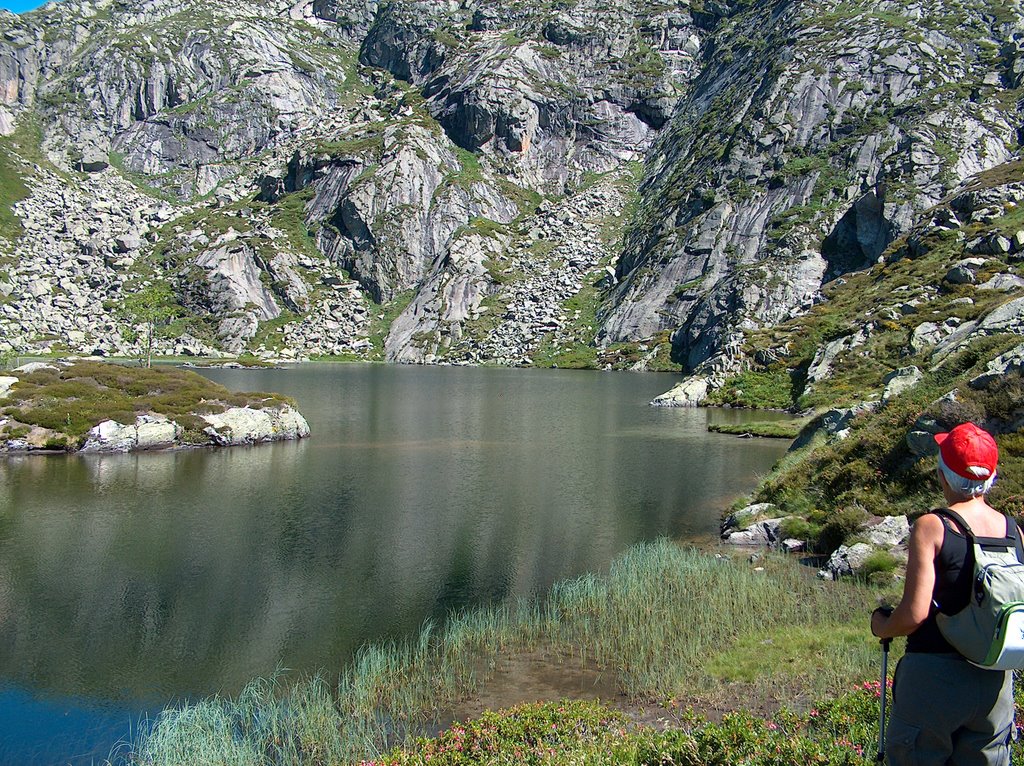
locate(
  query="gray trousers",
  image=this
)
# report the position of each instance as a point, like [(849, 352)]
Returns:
[(948, 712)]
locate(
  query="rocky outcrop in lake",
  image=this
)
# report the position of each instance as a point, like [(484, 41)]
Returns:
[(92, 407)]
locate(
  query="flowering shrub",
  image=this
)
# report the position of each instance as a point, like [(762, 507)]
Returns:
[(841, 732), (528, 734), (838, 732)]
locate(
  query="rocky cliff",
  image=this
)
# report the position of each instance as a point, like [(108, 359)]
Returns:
[(580, 182)]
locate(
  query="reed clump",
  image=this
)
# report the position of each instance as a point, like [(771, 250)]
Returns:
[(653, 620)]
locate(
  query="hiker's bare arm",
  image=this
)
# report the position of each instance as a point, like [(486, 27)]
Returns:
[(925, 542)]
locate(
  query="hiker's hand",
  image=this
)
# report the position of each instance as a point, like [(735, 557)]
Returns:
[(878, 619)]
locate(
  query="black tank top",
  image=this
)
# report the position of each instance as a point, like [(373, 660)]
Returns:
[(954, 571)]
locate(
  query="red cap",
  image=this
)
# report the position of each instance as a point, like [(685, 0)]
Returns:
[(969, 451)]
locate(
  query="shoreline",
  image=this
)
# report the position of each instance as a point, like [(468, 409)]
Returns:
[(588, 623)]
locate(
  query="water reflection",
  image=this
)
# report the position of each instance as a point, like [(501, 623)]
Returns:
[(144, 578)]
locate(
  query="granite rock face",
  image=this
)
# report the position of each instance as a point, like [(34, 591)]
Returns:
[(146, 433), (467, 182), (826, 157), (245, 425)]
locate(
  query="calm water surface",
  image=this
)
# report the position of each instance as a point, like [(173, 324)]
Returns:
[(127, 582)]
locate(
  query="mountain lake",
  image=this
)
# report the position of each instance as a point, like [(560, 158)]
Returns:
[(129, 582)]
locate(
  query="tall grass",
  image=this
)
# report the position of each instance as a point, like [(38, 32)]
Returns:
[(654, 620)]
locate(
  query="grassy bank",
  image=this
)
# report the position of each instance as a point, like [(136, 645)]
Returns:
[(657, 621), (873, 469), (770, 429)]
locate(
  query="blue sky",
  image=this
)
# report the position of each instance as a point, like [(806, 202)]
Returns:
[(20, 6)]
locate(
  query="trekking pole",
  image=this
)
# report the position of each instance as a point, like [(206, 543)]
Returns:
[(881, 714)]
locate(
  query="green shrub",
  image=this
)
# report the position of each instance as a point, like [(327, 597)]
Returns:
[(56, 442), (795, 502), (837, 732), (761, 390), (799, 529), (839, 527), (879, 562)]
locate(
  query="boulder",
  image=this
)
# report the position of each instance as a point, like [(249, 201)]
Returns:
[(960, 275), (148, 432), (821, 365), (246, 425), (833, 422), (1011, 361), (760, 533), (28, 369), (1007, 318), (920, 440), (888, 532), (690, 393), (153, 432), (6, 381), (92, 160), (126, 243), (901, 380), (745, 516), (925, 335), (109, 436), (1000, 245), (1003, 283), (792, 545), (846, 561)]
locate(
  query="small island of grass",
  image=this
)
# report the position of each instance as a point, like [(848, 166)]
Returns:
[(88, 406), (769, 429)]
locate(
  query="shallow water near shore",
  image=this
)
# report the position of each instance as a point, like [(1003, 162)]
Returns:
[(128, 582)]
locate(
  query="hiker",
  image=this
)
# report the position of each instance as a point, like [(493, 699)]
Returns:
[(946, 710)]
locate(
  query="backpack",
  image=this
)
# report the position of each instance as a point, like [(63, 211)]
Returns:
[(989, 631)]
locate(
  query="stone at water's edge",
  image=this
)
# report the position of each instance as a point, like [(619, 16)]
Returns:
[(690, 393), (236, 426), (245, 425), (761, 533), (146, 433)]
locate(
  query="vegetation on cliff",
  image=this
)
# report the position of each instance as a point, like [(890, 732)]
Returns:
[(926, 338)]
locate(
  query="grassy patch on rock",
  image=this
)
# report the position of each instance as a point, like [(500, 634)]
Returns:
[(71, 400)]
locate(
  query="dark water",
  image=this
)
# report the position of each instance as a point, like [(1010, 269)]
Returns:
[(130, 581)]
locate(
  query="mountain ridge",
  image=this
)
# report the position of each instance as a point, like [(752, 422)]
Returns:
[(406, 180)]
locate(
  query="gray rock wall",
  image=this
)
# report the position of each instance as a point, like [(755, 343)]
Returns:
[(411, 152)]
